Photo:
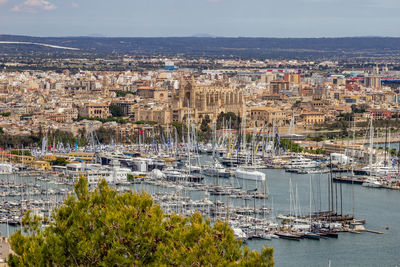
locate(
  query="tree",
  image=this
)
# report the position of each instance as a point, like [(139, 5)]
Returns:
[(105, 135), (347, 116), (205, 129), (318, 138), (21, 152), (59, 162), (288, 144), (229, 117), (359, 108), (296, 104), (181, 128), (5, 114), (124, 93), (59, 136), (106, 228), (116, 111)]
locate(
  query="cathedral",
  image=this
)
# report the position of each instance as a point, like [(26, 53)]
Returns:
[(198, 101)]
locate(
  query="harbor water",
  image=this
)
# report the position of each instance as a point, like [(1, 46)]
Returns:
[(379, 207)]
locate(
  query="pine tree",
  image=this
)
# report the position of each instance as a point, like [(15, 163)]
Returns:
[(106, 228)]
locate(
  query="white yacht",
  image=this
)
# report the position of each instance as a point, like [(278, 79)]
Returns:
[(175, 175), (239, 234), (301, 163), (372, 182), (216, 170), (112, 173), (6, 168), (380, 169), (250, 175)]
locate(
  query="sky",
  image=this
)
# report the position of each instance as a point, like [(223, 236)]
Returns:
[(228, 18)]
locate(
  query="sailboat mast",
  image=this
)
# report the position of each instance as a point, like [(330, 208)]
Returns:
[(263, 141), (188, 136), (371, 143), (214, 140), (330, 186), (389, 142), (353, 150), (290, 198), (168, 140), (244, 131), (386, 139), (310, 202)]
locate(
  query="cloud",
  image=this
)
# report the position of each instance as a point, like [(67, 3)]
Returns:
[(34, 6), (75, 5), (3, 2)]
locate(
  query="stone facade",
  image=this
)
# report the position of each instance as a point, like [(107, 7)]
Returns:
[(204, 100), (95, 110)]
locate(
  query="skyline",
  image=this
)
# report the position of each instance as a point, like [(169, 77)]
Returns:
[(219, 18)]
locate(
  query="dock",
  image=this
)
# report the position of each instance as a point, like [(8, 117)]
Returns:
[(373, 231)]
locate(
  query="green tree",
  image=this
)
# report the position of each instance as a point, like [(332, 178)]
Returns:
[(116, 111), (124, 93), (230, 119), (181, 128), (59, 162), (105, 135), (205, 129), (118, 120), (359, 108), (21, 152), (288, 144), (296, 104), (105, 228), (56, 136), (318, 138)]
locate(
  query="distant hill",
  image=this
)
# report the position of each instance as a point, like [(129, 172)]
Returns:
[(216, 46)]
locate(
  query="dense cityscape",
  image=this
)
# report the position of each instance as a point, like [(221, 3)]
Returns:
[(199, 133)]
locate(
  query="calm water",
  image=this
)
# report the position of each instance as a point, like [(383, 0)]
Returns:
[(380, 207)]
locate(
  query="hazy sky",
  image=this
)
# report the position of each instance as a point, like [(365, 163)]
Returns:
[(258, 18)]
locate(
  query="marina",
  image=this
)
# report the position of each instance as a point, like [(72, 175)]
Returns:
[(266, 194), (369, 203)]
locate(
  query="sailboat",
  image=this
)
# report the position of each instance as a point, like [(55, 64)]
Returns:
[(310, 234), (215, 169)]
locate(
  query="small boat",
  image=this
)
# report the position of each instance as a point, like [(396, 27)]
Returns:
[(239, 234), (288, 236), (216, 170), (266, 236), (322, 235), (332, 234), (372, 182), (312, 236), (274, 236)]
